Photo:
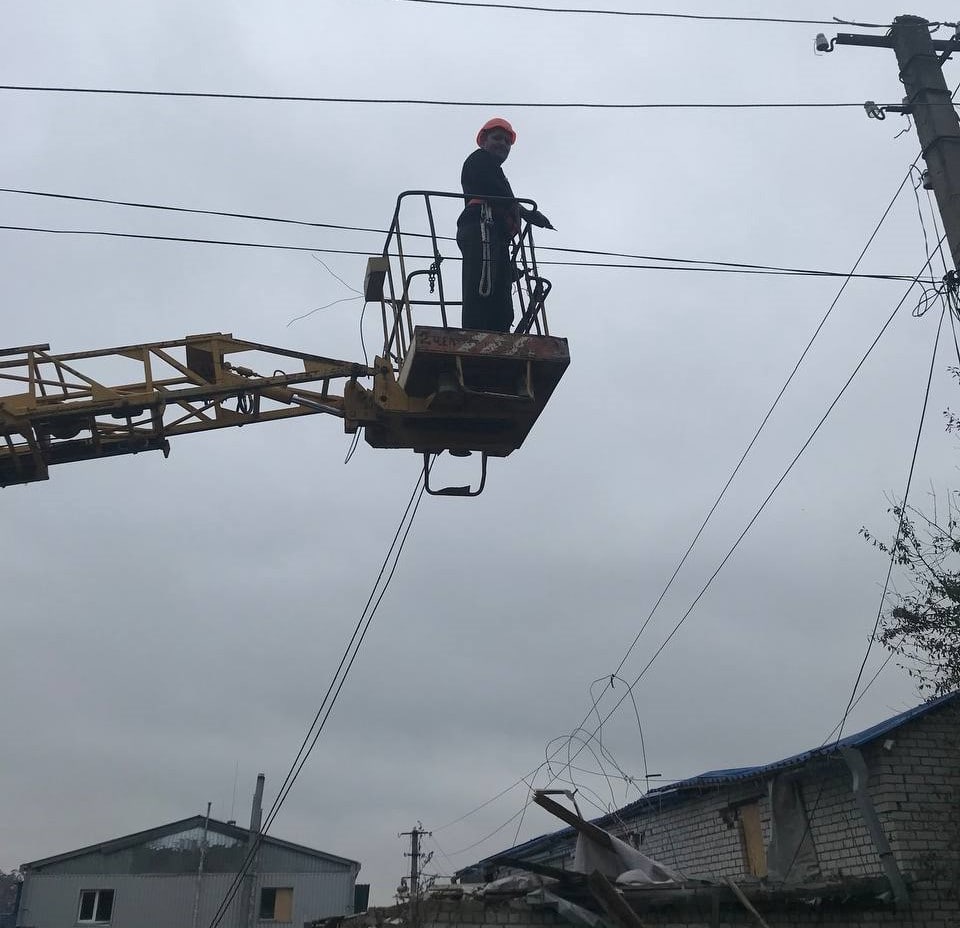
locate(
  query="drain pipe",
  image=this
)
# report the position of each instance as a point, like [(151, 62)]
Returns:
[(858, 769)]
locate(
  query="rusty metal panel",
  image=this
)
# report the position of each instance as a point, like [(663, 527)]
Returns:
[(505, 345)]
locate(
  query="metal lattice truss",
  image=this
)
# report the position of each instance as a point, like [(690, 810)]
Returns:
[(74, 407)]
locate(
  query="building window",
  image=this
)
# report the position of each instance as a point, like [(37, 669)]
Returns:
[(276, 904), (96, 906)]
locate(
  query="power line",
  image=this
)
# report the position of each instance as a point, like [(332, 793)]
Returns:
[(686, 16), (854, 699), (722, 269), (900, 521), (334, 688), (411, 101), (184, 209), (341, 227), (184, 239), (766, 417), (763, 505), (737, 542)]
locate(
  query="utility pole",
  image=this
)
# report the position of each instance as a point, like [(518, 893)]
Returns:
[(246, 913), (929, 101), (414, 856)]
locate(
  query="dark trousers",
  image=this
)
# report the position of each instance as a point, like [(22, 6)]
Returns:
[(493, 313)]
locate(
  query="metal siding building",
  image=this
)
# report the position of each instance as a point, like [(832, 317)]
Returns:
[(153, 876)]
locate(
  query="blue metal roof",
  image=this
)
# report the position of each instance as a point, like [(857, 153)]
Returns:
[(716, 777), (677, 792)]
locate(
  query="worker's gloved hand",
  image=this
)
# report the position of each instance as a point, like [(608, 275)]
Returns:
[(536, 218)]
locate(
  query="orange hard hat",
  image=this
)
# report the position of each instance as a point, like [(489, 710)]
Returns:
[(498, 122)]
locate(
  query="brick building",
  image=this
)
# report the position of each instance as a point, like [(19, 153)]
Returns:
[(864, 831)]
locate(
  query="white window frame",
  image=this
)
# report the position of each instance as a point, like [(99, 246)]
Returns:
[(96, 906)]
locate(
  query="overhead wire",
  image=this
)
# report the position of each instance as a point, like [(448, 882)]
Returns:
[(766, 417), (947, 309), (900, 521), (307, 745), (610, 678), (412, 101), (184, 209), (735, 269), (738, 265), (854, 699), (707, 17)]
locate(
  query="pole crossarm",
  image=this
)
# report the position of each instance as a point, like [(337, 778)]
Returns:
[(929, 100), (886, 41), (90, 404)]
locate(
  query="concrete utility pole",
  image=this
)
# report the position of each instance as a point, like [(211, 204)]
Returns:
[(414, 856), (928, 100), (246, 916)]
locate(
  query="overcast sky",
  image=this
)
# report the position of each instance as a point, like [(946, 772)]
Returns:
[(169, 627)]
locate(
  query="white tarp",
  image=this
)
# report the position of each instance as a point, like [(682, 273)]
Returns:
[(622, 863)]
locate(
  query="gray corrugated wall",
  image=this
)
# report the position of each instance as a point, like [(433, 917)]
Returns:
[(161, 901), (285, 859)]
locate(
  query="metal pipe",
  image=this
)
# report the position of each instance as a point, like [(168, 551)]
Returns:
[(203, 853)]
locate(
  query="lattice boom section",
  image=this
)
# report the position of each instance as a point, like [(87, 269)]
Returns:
[(72, 407)]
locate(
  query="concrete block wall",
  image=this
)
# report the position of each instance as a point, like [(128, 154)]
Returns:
[(914, 783), (915, 787), (699, 836)]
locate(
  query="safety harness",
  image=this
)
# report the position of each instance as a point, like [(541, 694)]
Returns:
[(486, 238)]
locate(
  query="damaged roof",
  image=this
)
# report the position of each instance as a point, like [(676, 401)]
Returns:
[(678, 792)]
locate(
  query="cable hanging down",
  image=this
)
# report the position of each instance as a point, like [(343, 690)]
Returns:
[(377, 593)]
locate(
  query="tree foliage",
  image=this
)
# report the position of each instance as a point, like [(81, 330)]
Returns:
[(921, 625)]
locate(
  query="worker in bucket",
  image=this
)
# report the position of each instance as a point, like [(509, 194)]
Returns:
[(489, 221)]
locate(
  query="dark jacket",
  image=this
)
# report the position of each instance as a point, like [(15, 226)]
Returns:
[(482, 177)]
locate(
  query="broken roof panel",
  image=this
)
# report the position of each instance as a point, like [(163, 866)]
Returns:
[(679, 791)]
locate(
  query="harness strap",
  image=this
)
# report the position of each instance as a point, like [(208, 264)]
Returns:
[(486, 228)]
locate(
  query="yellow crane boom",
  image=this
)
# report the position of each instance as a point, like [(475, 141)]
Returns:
[(56, 408)]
